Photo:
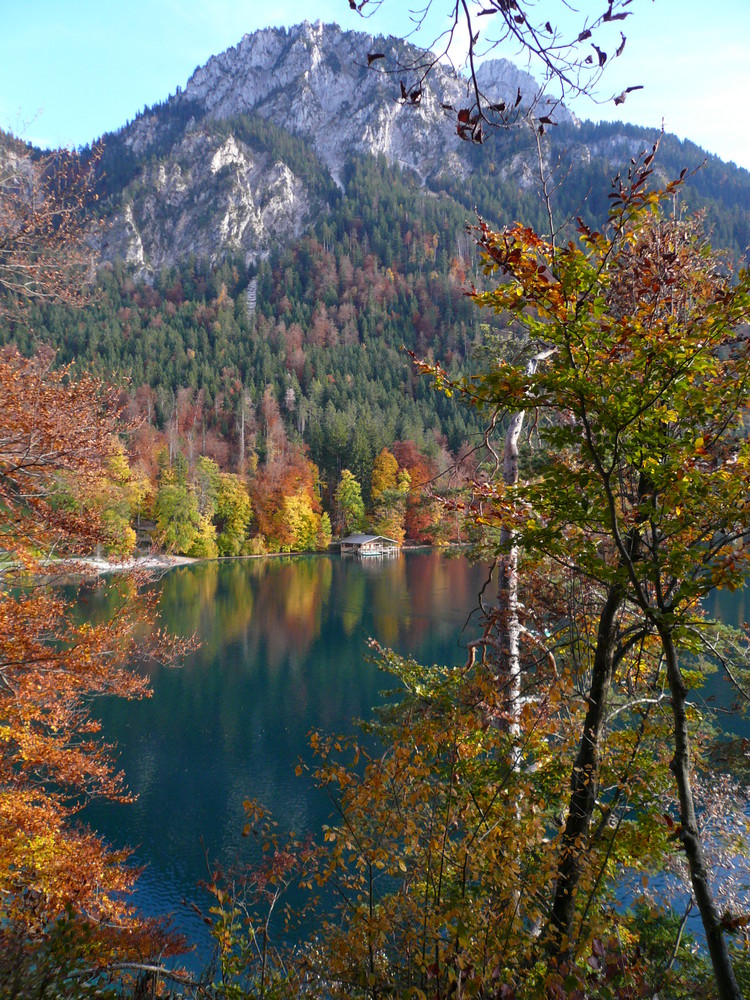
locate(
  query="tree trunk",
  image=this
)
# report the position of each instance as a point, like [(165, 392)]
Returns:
[(241, 456), (690, 834), (509, 666), (584, 780)]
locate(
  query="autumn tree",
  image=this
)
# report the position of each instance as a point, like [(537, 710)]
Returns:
[(389, 511), (389, 490), (64, 491), (384, 474), (433, 835), (43, 250), (117, 494), (180, 525), (286, 504), (423, 513), (298, 527), (643, 480), (474, 854), (232, 514), (57, 430)]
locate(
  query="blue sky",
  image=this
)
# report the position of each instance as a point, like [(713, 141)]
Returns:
[(72, 70)]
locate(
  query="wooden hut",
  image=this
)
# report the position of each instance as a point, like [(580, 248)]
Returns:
[(369, 545)]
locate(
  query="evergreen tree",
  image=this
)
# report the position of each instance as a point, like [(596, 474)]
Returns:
[(350, 508)]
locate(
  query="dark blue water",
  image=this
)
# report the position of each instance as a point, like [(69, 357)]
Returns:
[(283, 651)]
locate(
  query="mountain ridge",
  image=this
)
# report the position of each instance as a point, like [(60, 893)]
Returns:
[(336, 92), (248, 156)]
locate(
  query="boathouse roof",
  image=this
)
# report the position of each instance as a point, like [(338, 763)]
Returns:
[(364, 539)]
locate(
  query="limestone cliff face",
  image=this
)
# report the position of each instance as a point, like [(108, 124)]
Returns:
[(313, 80), (208, 197), (501, 80)]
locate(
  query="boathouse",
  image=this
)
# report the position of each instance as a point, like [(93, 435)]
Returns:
[(369, 545)]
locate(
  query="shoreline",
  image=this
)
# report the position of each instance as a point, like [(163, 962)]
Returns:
[(163, 562), (102, 565)]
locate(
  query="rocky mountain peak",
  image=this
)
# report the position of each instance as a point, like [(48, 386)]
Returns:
[(205, 189), (313, 80), (501, 80)]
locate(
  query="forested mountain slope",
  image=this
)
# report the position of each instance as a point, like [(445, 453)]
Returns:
[(252, 256)]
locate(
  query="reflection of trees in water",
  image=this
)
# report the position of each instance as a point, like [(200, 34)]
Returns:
[(275, 643), (391, 610), (271, 602), (278, 609), (353, 603), (290, 599), (307, 588), (284, 650), (184, 593), (437, 589)]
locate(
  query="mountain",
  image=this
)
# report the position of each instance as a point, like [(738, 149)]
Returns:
[(193, 176), (254, 150), (314, 81), (284, 227), (210, 193)]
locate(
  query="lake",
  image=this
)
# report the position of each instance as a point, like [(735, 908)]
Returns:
[(283, 651)]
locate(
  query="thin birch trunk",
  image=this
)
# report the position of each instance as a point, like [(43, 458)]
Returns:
[(507, 596), (509, 667), (507, 585)]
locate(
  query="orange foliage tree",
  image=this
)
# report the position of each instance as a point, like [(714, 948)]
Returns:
[(286, 502), (57, 436), (423, 514), (43, 251), (64, 920)]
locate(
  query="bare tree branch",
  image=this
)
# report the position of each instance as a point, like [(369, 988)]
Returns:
[(565, 48)]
